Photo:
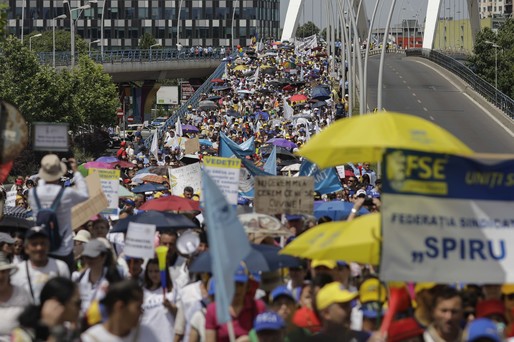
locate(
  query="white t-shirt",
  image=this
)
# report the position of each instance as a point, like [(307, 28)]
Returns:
[(198, 323), (38, 276), (90, 292), (98, 333), (156, 316), (10, 310)]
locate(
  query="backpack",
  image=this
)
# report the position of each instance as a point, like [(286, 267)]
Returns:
[(47, 218)]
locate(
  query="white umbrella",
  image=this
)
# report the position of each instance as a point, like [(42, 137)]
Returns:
[(292, 167)]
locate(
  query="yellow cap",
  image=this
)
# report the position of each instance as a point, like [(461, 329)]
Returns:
[(326, 263), (372, 290), (333, 293), (424, 286), (507, 289), (157, 195)]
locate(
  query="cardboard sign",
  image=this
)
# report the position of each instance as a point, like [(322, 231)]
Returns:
[(189, 175), (192, 146), (50, 136), (225, 173), (284, 195), (446, 219), (10, 199), (110, 180), (97, 202), (139, 242)]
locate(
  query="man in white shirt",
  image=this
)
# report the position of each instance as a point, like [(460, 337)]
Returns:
[(51, 171), (33, 273)]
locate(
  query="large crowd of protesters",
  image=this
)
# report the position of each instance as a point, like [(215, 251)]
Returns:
[(87, 289)]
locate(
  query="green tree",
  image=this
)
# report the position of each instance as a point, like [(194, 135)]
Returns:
[(95, 96), (3, 19), (62, 42), (146, 41), (483, 59), (306, 30)]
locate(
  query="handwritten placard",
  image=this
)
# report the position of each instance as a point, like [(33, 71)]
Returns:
[(284, 195), (110, 180), (139, 242), (189, 175), (97, 202)]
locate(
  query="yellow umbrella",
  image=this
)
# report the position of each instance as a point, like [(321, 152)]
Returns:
[(302, 243), (240, 68), (364, 138), (357, 240)]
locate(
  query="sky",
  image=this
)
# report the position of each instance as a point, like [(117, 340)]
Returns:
[(404, 9)]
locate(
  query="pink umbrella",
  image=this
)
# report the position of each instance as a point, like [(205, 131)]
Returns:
[(98, 165)]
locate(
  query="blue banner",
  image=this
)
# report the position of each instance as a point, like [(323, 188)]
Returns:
[(229, 148), (326, 181)]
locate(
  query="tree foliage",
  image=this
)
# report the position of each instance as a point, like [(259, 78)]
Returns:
[(306, 30), (3, 19), (62, 42), (146, 41), (85, 97), (483, 59)]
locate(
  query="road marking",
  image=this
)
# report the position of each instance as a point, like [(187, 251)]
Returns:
[(419, 101), (400, 77), (491, 116), (425, 109), (432, 118), (414, 94), (408, 87), (404, 82)]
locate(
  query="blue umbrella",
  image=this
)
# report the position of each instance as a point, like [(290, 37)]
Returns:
[(336, 210), (205, 142), (320, 93), (145, 170), (162, 220), (148, 187), (107, 159), (262, 258)]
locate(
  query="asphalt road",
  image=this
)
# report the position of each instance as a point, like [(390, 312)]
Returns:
[(420, 87)]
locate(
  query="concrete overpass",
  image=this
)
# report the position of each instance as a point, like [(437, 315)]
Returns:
[(146, 65)]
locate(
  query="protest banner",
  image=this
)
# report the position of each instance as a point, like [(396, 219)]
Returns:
[(10, 198), (192, 146), (82, 212), (139, 242), (288, 195), (225, 173), (446, 219), (110, 181), (189, 175)]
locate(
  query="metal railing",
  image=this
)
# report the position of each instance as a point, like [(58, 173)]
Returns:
[(129, 56), (193, 101), (481, 86)]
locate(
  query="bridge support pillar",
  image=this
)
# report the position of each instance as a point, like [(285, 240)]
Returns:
[(142, 99)]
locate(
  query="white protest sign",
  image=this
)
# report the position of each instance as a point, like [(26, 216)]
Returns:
[(225, 173), (446, 219), (189, 175), (110, 180), (340, 171), (10, 199), (284, 195), (50, 136), (139, 242)]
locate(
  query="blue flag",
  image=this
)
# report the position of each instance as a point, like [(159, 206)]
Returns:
[(228, 148), (271, 164), (228, 244), (326, 181)]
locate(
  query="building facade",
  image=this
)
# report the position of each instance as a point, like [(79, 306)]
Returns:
[(494, 8), (201, 22)]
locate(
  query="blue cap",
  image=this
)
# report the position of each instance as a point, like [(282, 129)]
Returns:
[(294, 217), (137, 134), (371, 310), (281, 290), (256, 276), (241, 275), (130, 202), (483, 328), (268, 321)]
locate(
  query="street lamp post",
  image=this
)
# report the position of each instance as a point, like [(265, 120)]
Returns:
[(30, 40), (91, 43), (495, 46), (233, 18), (178, 22), (158, 44), (62, 16), (72, 26), (102, 30)]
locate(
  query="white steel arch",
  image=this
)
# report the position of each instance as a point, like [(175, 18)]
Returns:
[(432, 19)]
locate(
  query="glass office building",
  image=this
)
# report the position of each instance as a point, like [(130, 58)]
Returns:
[(201, 22)]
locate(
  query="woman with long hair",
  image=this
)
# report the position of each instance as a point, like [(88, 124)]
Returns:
[(158, 305), (55, 318)]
